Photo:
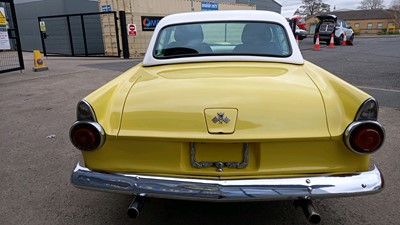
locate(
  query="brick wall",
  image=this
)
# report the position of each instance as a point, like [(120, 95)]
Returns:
[(362, 25)]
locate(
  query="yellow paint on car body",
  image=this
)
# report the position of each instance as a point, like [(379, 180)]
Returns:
[(292, 116)]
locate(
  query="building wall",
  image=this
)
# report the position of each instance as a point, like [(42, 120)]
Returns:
[(268, 5), (363, 25), (135, 9), (28, 12)]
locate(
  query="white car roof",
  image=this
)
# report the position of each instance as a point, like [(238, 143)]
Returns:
[(229, 15)]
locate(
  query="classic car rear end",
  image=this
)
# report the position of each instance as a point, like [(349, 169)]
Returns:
[(221, 116)]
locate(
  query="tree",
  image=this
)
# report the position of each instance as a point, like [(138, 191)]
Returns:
[(394, 9), (395, 5), (312, 7), (371, 4)]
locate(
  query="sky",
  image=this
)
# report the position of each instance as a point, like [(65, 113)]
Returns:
[(289, 6)]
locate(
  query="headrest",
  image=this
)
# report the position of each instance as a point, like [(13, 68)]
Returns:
[(256, 33), (189, 33)]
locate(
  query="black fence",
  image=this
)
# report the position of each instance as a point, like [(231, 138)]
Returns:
[(78, 34), (10, 46)]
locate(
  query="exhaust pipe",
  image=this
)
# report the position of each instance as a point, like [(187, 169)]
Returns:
[(136, 206), (309, 211)]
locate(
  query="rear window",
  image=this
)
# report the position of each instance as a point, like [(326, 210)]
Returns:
[(222, 38), (327, 26)]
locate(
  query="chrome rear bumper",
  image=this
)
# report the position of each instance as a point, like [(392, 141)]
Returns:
[(363, 183)]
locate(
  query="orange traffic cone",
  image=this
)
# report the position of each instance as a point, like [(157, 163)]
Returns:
[(297, 40), (332, 42), (344, 39), (38, 63), (316, 45)]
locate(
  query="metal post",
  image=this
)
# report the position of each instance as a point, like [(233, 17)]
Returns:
[(84, 35), (191, 4), (70, 37), (18, 41), (124, 34), (42, 36), (117, 34)]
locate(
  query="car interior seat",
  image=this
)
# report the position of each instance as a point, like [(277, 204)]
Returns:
[(256, 39), (188, 40)]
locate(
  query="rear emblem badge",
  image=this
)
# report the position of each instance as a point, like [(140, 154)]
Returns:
[(219, 118)]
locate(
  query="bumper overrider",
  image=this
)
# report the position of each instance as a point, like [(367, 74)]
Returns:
[(362, 183)]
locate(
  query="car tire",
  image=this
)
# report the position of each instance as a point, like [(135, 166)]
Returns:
[(351, 40), (339, 41)]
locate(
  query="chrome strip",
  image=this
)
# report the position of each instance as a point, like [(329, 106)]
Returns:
[(363, 183)]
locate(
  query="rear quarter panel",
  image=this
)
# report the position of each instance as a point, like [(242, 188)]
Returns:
[(341, 99), (108, 101)]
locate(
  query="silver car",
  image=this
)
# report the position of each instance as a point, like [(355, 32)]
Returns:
[(328, 25)]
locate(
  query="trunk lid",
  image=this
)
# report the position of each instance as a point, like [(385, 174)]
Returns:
[(258, 101)]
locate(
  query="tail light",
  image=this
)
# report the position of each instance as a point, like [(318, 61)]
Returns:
[(87, 136), (368, 110), (364, 137), (84, 112)]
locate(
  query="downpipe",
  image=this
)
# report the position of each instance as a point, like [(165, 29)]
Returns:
[(309, 211), (136, 206)]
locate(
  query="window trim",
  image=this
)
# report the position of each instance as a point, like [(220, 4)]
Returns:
[(222, 54)]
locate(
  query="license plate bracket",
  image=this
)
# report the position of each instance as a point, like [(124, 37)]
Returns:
[(219, 164)]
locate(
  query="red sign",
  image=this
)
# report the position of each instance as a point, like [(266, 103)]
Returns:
[(132, 30)]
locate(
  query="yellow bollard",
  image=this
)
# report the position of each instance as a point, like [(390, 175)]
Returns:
[(38, 63)]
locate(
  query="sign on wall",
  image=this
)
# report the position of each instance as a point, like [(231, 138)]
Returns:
[(132, 30), (149, 23), (4, 39), (42, 25), (209, 6), (3, 19)]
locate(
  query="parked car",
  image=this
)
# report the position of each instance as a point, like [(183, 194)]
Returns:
[(301, 34), (224, 108), (300, 21), (328, 25)]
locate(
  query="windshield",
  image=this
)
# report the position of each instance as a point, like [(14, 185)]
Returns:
[(222, 38)]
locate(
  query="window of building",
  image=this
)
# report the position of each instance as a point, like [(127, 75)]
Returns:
[(379, 25), (369, 26), (390, 24), (357, 25)]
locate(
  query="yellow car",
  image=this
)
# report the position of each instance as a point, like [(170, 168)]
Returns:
[(224, 108)]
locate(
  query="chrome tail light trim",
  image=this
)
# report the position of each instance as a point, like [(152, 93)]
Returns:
[(349, 130)]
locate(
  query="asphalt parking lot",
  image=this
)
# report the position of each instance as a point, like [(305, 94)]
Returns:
[(37, 158)]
